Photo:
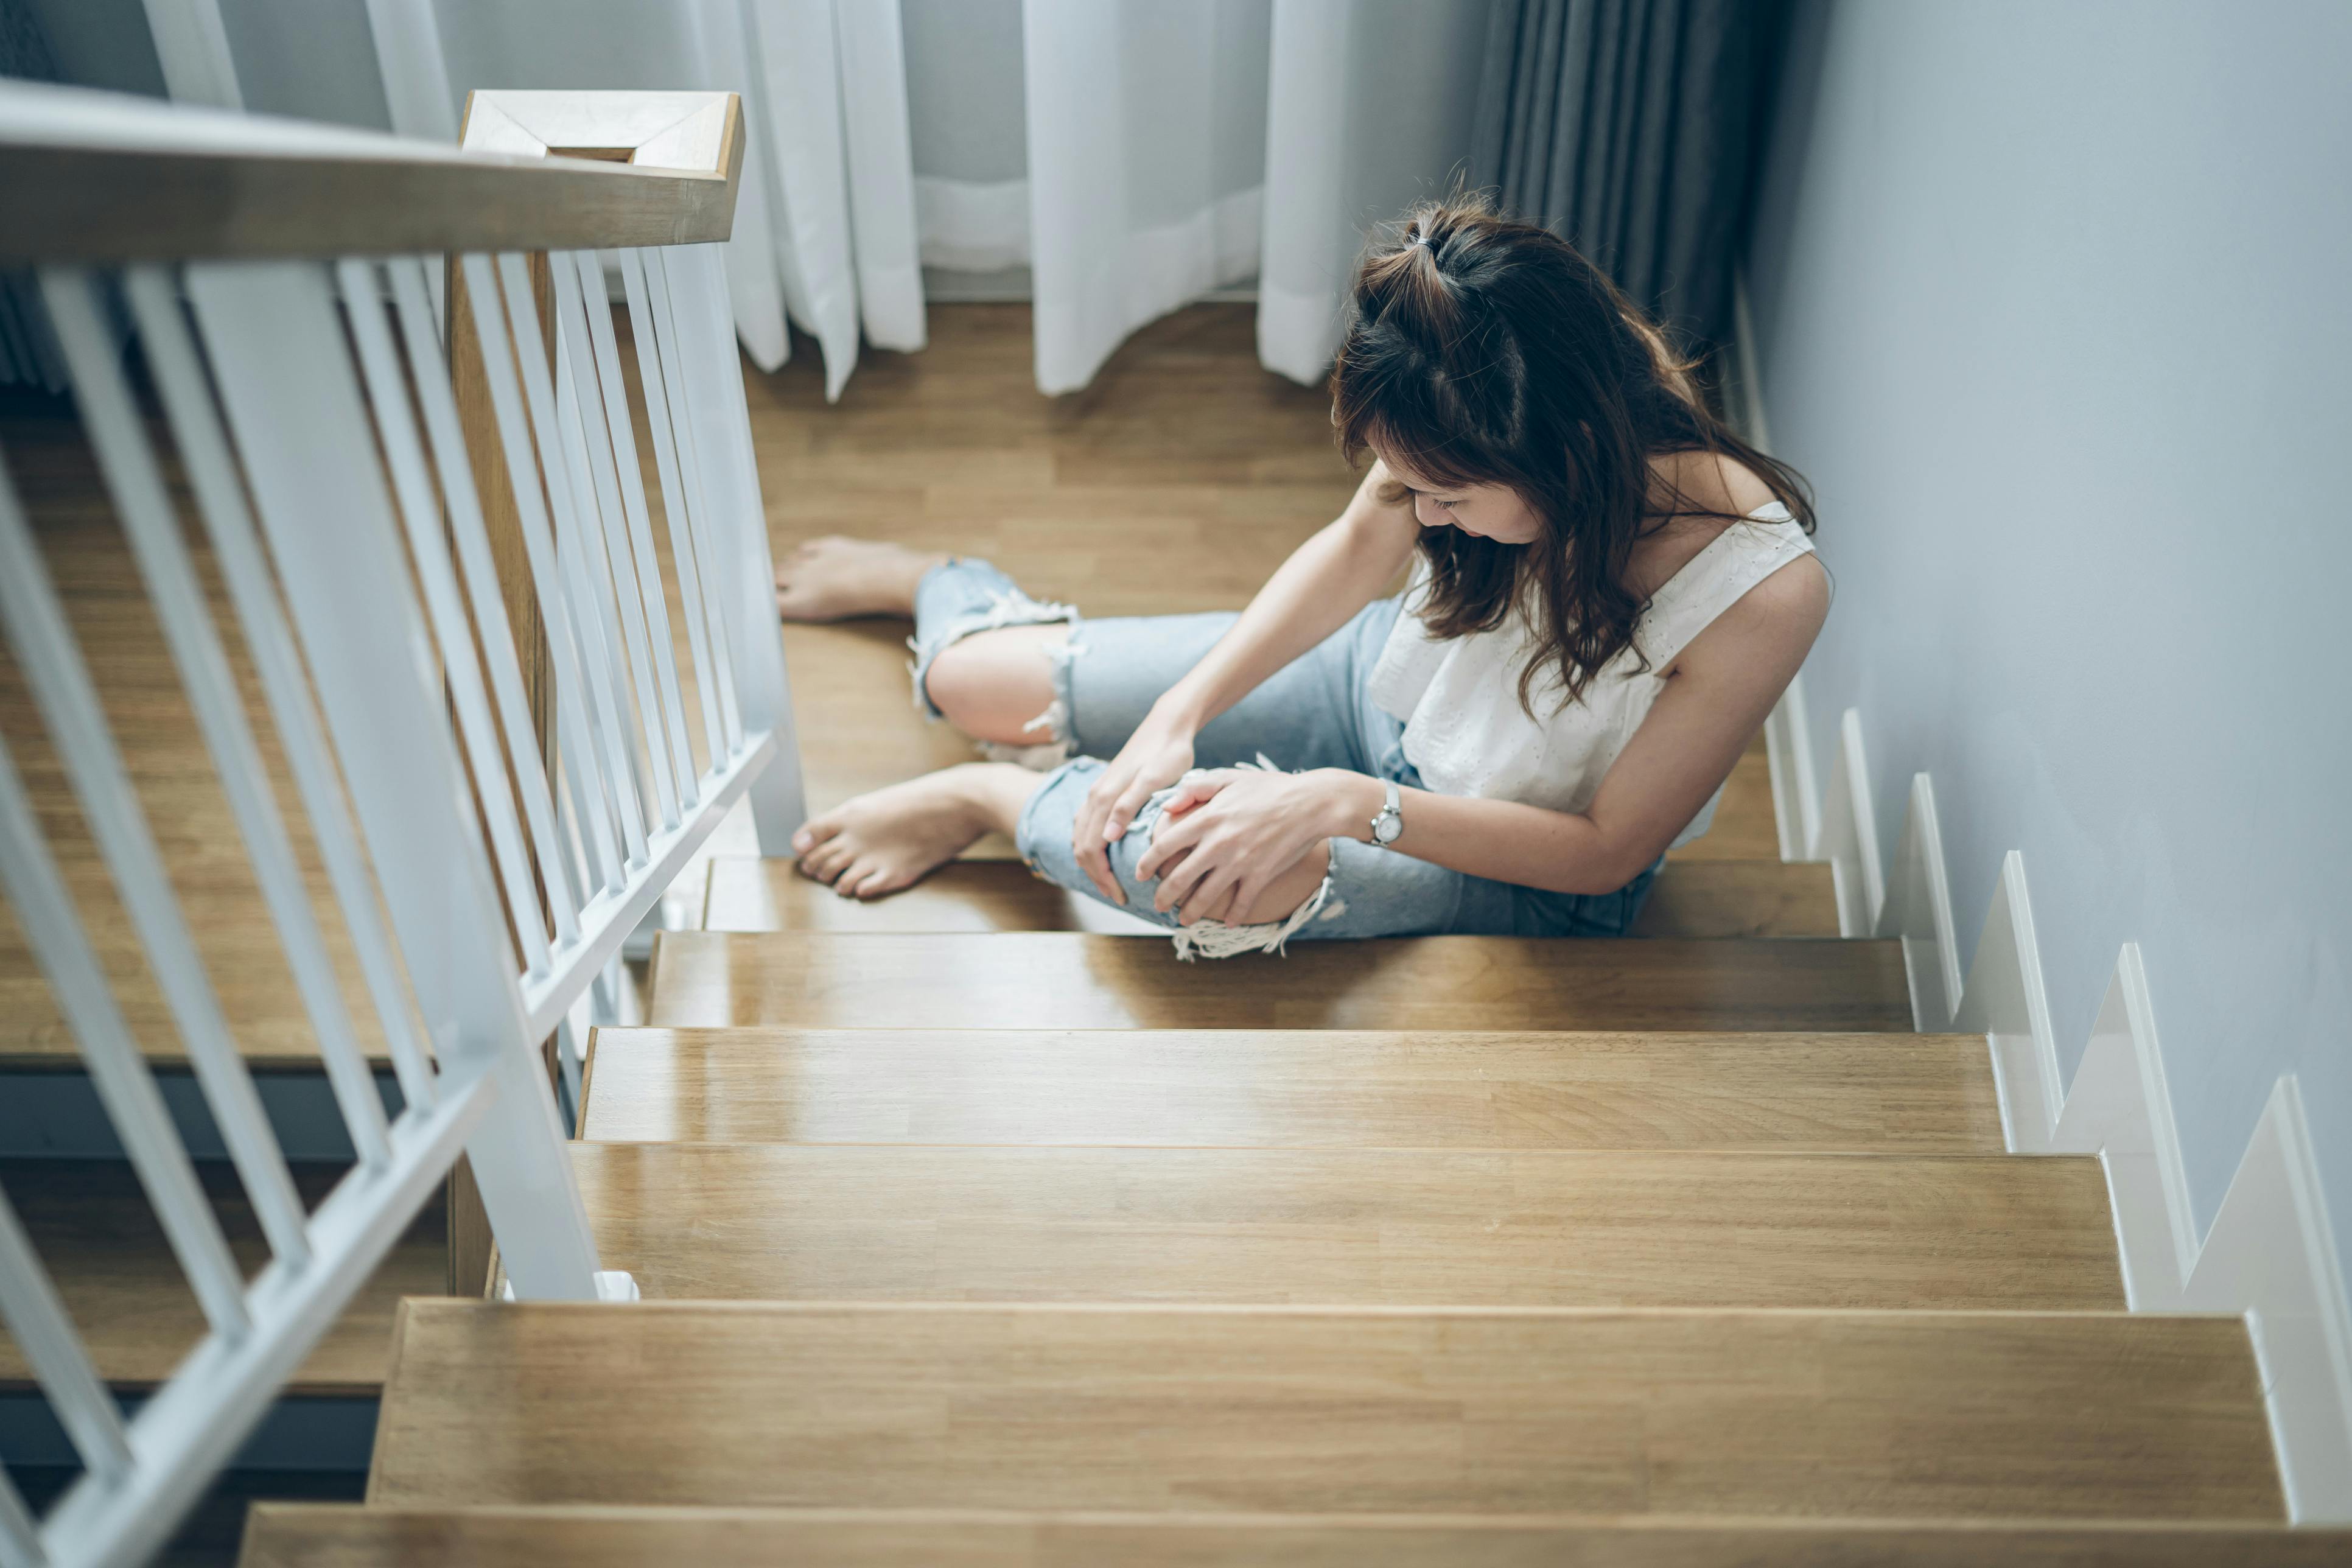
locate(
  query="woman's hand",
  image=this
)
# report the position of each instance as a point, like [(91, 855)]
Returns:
[(1158, 755), (1227, 833)]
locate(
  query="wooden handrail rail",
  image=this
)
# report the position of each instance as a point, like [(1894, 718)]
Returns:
[(90, 176)]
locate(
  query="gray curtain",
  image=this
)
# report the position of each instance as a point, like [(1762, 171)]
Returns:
[(1629, 128)]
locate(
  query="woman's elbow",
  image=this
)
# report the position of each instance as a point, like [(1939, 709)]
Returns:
[(1604, 872)]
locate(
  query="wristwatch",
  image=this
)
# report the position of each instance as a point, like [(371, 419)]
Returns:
[(1389, 825)]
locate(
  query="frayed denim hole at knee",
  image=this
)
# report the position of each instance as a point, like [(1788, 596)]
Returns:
[(1216, 939), (1006, 608), (1056, 742)]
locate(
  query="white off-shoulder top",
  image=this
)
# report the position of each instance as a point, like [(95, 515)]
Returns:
[(1464, 729)]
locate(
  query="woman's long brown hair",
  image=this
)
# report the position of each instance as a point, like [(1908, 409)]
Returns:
[(1481, 351)]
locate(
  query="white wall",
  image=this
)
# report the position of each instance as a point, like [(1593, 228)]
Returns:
[(2054, 306)]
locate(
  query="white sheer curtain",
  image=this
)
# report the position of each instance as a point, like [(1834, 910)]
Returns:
[(1371, 108), (824, 232), (1135, 154), (1176, 146), (1147, 157)]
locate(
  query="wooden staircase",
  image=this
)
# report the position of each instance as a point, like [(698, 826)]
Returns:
[(975, 1230), (991, 1245)]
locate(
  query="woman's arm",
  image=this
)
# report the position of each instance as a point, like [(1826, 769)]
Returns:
[(1248, 828), (1326, 580), (1339, 571)]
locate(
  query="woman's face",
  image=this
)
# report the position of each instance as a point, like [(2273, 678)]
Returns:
[(1489, 511)]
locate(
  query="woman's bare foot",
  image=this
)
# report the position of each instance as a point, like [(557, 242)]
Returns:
[(890, 838), (834, 578)]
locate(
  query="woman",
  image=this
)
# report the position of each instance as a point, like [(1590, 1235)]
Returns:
[(1609, 591)]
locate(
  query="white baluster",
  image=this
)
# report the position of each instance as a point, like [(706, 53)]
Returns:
[(44, 1337), (588, 404), (604, 552), (388, 395), (293, 402), (674, 516), (722, 428), (573, 730), (587, 577), (220, 497), (622, 434), (702, 525), (136, 486), (433, 396), (572, 546)]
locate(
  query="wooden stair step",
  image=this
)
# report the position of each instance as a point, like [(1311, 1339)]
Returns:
[(1380, 1088), (315, 1535), (1068, 979), (1690, 899), (91, 1224), (1160, 1409), (1352, 1227)]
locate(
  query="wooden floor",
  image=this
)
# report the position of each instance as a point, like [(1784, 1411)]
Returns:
[(1315, 1088)]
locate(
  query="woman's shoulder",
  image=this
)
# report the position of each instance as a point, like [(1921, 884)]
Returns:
[(1709, 482)]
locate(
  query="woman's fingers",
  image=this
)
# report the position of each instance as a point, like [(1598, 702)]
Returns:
[(1173, 836), (1177, 881), (1122, 812), (1212, 897), (1180, 880), (1088, 841)]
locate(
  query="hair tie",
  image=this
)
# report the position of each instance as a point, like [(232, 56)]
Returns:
[(1418, 237)]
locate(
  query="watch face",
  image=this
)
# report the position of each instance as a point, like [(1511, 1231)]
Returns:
[(1387, 826)]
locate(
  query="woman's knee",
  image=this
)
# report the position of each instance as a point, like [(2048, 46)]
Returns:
[(999, 685)]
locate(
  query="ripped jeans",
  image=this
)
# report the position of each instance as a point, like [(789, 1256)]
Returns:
[(1315, 713)]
